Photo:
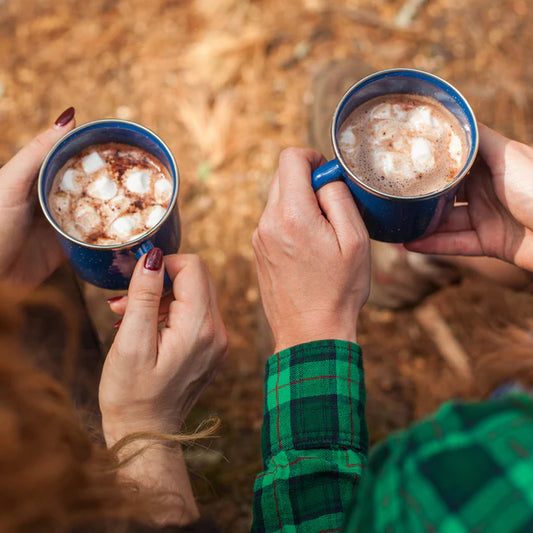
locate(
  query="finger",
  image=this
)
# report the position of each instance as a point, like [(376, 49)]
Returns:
[(492, 148), (119, 306), (295, 168), (340, 209), (195, 310), (458, 243), (138, 330), (18, 174), (190, 289), (458, 220)]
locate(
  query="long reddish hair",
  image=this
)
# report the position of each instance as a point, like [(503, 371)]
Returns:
[(54, 476)]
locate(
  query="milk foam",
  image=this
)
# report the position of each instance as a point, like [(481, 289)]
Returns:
[(110, 194), (405, 145)]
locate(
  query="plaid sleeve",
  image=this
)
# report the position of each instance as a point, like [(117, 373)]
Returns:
[(314, 438), (466, 469)]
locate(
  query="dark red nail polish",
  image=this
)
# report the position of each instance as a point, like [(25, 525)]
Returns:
[(65, 117), (154, 259), (117, 325), (114, 299)]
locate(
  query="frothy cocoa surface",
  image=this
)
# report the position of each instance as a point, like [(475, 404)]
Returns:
[(110, 193), (403, 144)]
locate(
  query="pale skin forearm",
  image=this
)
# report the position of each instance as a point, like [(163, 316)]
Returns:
[(160, 472)]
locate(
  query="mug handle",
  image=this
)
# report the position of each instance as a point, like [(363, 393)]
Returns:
[(144, 248), (330, 171)]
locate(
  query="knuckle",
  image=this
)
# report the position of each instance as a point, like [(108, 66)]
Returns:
[(290, 153), (263, 233), (222, 342), (207, 332), (40, 142), (290, 220), (147, 296)]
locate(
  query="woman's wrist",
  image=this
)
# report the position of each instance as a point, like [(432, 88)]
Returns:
[(158, 470)]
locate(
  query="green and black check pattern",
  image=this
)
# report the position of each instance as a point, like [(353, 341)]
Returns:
[(314, 438), (469, 468)]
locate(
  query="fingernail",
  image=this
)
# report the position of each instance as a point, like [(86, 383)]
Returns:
[(117, 325), (65, 117), (114, 299), (154, 259)]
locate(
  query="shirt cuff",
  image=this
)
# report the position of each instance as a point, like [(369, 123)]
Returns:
[(315, 398)]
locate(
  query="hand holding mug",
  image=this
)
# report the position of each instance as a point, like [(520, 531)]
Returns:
[(152, 378), (312, 255), (497, 219), (29, 248)]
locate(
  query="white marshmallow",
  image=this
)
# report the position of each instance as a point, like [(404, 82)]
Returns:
[(162, 190), (69, 182), (71, 230), (388, 111), (155, 214), (422, 155), (86, 217), (455, 149), (381, 111), (138, 181), (387, 163), (422, 119), (347, 137), (61, 203), (102, 188), (92, 163), (125, 227)]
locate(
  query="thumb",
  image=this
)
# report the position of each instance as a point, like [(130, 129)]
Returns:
[(137, 335), (492, 148), (337, 203), (18, 174)]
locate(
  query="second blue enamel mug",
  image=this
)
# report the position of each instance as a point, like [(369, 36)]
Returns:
[(391, 218)]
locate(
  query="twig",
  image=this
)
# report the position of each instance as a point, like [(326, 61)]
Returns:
[(432, 322), (407, 13)]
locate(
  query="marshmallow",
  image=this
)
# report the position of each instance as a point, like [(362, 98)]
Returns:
[(86, 217), (61, 203), (421, 119), (92, 163), (69, 182), (138, 181), (162, 190), (155, 214), (422, 155), (125, 227), (348, 138), (388, 111), (102, 188), (455, 148)]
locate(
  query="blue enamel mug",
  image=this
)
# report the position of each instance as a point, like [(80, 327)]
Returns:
[(387, 217), (110, 266)]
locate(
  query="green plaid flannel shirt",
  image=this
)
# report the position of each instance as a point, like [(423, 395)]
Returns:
[(468, 468)]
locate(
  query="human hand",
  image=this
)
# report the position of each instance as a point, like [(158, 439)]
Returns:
[(312, 254), (498, 218), (151, 378), (29, 248)]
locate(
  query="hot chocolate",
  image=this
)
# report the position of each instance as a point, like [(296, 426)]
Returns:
[(403, 144), (110, 194)]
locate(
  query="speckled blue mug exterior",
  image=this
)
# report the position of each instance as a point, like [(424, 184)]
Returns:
[(111, 266), (398, 218)]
